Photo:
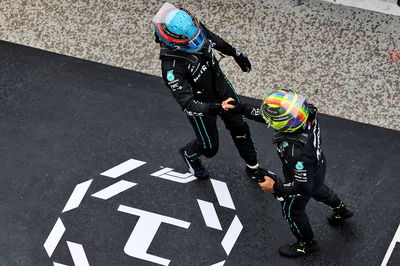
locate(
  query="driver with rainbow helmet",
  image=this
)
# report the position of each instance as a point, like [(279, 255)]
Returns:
[(298, 139)]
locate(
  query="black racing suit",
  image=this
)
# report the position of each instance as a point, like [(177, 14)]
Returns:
[(303, 165), (199, 86)]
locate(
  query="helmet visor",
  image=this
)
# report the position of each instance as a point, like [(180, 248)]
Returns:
[(284, 110), (176, 25), (194, 45)]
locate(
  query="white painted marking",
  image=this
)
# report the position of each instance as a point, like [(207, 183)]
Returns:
[(165, 219), (167, 173), (396, 238), (219, 263), (162, 171), (77, 195), (209, 214), (58, 264), (54, 237), (178, 180), (144, 232), (383, 6), (113, 190), (123, 168), (232, 235), (222, 192), (78, 254), (179, 175)]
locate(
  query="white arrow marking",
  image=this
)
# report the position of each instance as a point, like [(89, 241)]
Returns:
[(77, 195), (232, 235), (54, 237), (209, 214), (396, 238), (222, 192), (78, 254), (123, 168), (113, 190)]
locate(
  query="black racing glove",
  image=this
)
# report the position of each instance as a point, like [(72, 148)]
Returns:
[(215, 108), (277, 181), (240, 108), (256, 174), (247, 110), (242, 60)]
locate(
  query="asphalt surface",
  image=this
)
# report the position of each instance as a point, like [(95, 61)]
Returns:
[(64, 121)]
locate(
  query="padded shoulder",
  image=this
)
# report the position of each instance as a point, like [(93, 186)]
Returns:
[(168, 54), (299, 139)]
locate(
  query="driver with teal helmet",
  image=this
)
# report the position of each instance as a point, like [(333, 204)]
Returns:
[(180, 31), (192, 73)]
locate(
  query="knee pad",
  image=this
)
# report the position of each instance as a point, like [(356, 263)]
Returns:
[(211, 152)]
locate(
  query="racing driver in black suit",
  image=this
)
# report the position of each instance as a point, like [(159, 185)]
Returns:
[(192, 73), (298, 139)]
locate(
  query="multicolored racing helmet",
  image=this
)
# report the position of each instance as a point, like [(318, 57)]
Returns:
[(285, 110), (178, 29)]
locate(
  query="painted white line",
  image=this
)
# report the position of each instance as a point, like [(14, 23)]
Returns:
[(113, 190), (177, 179), (387, 7), (165, 219), (179, 175), (219, 263), (222, 192), (209, 214), (167, 173), (77, 195), (78, 254), (144, 232), (396, 238), (54, 237), (123, 168), (162, 171), (58, 264), (232, 235)]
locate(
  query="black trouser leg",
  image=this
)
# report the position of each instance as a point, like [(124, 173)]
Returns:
[(293, 210), (327, 196), (206, 142), (241, 137), (236, 123), (321, 192)]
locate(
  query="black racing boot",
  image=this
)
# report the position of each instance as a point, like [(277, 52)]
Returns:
[(256, 174), (195, 166), (298, 248), (339, 215)]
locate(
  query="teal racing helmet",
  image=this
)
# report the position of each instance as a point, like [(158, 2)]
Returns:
[(178, 29)]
